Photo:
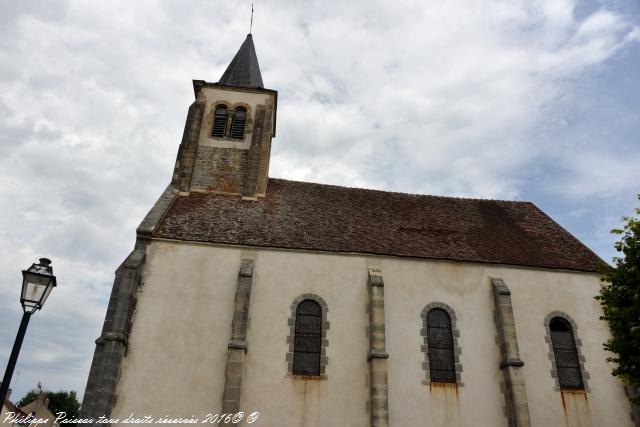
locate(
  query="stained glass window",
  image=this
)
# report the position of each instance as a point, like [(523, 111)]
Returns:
[(308, 339), (566, 354), (442, 365)]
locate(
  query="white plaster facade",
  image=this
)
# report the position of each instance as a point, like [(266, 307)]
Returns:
[(177, 349)]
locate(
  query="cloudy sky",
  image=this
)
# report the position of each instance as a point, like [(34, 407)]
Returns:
[(523, 100)]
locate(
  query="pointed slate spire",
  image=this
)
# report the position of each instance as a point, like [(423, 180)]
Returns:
[(243, 70)]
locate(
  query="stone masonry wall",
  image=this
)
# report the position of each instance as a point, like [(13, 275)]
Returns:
[(220, 169), (265, 147), (188, 147), (231, 165)]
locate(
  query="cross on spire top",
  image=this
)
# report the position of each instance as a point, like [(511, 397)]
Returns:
[(251, 24)]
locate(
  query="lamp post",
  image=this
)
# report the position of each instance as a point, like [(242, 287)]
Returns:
[(37, 283)]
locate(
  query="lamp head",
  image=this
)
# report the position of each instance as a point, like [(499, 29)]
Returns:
[(37, 283)]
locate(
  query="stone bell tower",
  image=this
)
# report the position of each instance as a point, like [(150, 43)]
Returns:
[(225, 149), (226, 143)]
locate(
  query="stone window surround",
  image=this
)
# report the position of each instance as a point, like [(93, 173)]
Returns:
[(291, 322), (231, 106), (457, 351), (551, 356)]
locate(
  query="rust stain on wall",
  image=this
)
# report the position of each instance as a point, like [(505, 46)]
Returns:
[(444, 402), (453, 387), (308, 396), (575, 405)]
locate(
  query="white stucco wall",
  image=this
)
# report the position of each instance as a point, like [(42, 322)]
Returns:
[(178, 343)]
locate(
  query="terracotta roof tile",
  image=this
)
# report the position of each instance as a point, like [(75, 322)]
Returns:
[(13, 408), (300, 215)]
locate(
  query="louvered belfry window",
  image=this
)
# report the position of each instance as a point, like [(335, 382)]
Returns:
[(308, 339), (566, 354), (220, 121), (238, 122), (442, 365)]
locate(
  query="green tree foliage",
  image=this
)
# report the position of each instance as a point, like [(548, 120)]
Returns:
[(620, 300), (59, 401)]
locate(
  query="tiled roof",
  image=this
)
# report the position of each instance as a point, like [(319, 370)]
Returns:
[(13, 408), (300, 215), (243, 70)]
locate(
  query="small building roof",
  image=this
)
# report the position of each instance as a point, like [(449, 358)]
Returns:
[(243, 71), (13, 408), (301, 215)]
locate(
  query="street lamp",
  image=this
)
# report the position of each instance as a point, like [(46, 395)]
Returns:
[(37, 283)]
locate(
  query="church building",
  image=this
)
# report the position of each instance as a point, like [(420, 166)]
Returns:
[(321, 305)]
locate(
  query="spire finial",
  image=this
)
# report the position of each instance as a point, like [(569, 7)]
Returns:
[(251, 24)]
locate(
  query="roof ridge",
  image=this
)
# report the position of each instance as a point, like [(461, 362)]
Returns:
[(404, 193)]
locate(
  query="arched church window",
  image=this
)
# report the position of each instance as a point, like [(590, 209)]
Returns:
[(220, 121), (442, 365), (238, 122), (307, 339), (566, 354)]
